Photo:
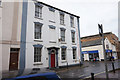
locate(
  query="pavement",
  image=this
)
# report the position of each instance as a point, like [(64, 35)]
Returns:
[(84, 72), (102, 76)]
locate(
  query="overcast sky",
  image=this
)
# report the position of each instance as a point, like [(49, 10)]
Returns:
[(91, 13)]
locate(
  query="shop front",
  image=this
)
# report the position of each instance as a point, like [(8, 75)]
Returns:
[(93, 55)]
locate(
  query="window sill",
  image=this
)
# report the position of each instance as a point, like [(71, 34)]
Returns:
[(73, 43), (38, 63), (63, 61), (63, 43), (52, 41), (38, 40), (38, 18), (73, 27), (75, 60), (62, 24), (51, 21)]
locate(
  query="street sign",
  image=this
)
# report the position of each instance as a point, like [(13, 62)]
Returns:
[(105, 57), (100, 29)]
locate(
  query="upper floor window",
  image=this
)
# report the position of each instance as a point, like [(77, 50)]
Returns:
[(62, 34), (38, 10), (38, 30), (74, 53), (73, 36), (51, 15), (72, 21), (62, 18)]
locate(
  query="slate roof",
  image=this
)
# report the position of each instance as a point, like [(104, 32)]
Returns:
[(58, 9), (109, 35), (92, 43)]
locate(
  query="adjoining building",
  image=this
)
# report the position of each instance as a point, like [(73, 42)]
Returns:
[(36, 35), (92, 48), (0, 39), (10, 38)]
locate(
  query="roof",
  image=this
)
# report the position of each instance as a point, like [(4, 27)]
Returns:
[(109, 35), (58, 9), (97, 35), (92, 43)]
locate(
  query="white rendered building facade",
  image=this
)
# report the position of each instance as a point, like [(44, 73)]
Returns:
[(49, 37)]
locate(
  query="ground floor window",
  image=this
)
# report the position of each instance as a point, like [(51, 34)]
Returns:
[(63, 53), (74, 53), (37, 54), (93, 57)]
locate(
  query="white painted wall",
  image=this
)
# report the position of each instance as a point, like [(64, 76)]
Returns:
[(0, 41), (8, 19), (111, 47), (48, 35)]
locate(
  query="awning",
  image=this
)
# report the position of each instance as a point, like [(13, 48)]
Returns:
[(74, 47), (62, 28), (88, 52), (38, 23), (38, 45), (52, 27), (39, 4), (52, 9), (107, 51), (64, 47)]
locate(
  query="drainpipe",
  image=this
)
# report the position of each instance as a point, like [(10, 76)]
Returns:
[(23, 38), (79, 41)]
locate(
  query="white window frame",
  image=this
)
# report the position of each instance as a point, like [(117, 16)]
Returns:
[(73, 37), (74, 53), (36, 35), (63, 53), (38, 11), (37, 54), (62, 35), (62, 21), (72, 21)]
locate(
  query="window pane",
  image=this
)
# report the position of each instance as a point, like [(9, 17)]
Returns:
[(72, 22), (63, 53), (37, 32), (74, 53), (38, 11), (62, 35), (61, 19), (73, 37), (37, 54)]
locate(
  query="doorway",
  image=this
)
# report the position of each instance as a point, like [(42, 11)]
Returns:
[(14, 55), (52, 58)]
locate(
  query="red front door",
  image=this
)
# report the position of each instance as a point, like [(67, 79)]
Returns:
[(52, 60)]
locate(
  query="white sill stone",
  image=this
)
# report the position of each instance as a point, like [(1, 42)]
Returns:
[(38, 40), (38, 63)]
